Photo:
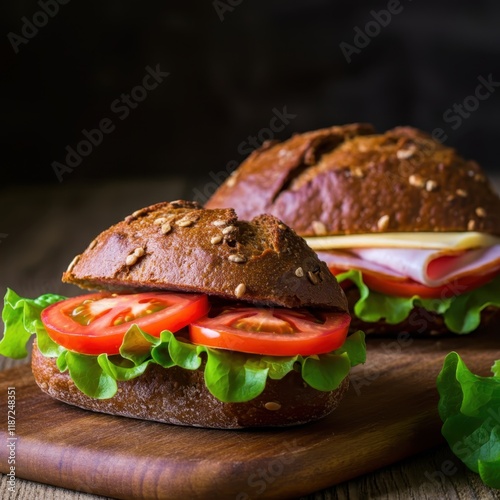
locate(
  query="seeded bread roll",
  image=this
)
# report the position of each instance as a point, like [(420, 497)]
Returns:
[(348, 180), (178, 396), (181, 246)]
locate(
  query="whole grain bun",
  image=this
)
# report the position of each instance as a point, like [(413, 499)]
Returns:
[(181, 246), (179, 396), (349, 179)]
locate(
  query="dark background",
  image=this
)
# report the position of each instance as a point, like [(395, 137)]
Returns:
[(227, 76)]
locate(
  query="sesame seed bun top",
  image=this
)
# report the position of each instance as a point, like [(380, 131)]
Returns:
[(181, 246), (351, 180)]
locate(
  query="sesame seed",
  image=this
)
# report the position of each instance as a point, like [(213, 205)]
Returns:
[(92, 244), (137, 213), (73, 263), (240, 290), (299, 272), (450, 197), (383, 222), (131, 259), (312, 277), (480, 212), (228, 229), (281, 226), (231, 181), (358, 172), (219, 223), (166, 228), (185, 222), (479, 178), (237, 257), (431, 185), (139, 252), (461, 192), (471, 225), (416, 180), (272, 406), (319, 228), (216, 239), (160, 220), (404, 154)]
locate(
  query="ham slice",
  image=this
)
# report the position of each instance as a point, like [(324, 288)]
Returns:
[(429, 267)]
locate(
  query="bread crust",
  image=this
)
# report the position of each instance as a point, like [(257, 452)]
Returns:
[(181, 246), (350, 180), (179, 396)]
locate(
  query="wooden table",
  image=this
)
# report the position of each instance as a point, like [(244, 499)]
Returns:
[(43, 227)]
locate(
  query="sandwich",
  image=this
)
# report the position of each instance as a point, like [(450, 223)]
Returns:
[(192, 317), (410, 228)]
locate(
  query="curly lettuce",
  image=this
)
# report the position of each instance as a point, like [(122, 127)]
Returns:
[(230, 376), (461, 313), (469, 407)]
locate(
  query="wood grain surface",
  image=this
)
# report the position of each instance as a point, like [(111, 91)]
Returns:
[(42, 228), (389, 414)]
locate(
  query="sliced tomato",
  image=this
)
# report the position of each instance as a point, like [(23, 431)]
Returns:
[(409, 287), (275, 332), (96, 323)]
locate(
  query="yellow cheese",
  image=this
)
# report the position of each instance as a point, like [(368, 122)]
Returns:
[(436, 240)]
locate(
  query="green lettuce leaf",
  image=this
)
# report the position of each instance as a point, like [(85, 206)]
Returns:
[(230, 376), (461, 313), (469, 407), (233, 376), (464, 313), (88, 375), (21, 318)]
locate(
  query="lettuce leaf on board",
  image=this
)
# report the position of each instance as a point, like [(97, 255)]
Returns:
[(230, 376), (461, 313), (469, 407)]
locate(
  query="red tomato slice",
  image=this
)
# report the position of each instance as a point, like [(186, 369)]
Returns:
[(275, 332), (96, 323), (409, 288)]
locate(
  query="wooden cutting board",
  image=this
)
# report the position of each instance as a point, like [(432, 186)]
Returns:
[(390, 413)]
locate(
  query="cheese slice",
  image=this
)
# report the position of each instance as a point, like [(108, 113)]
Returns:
[(424, 240)]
